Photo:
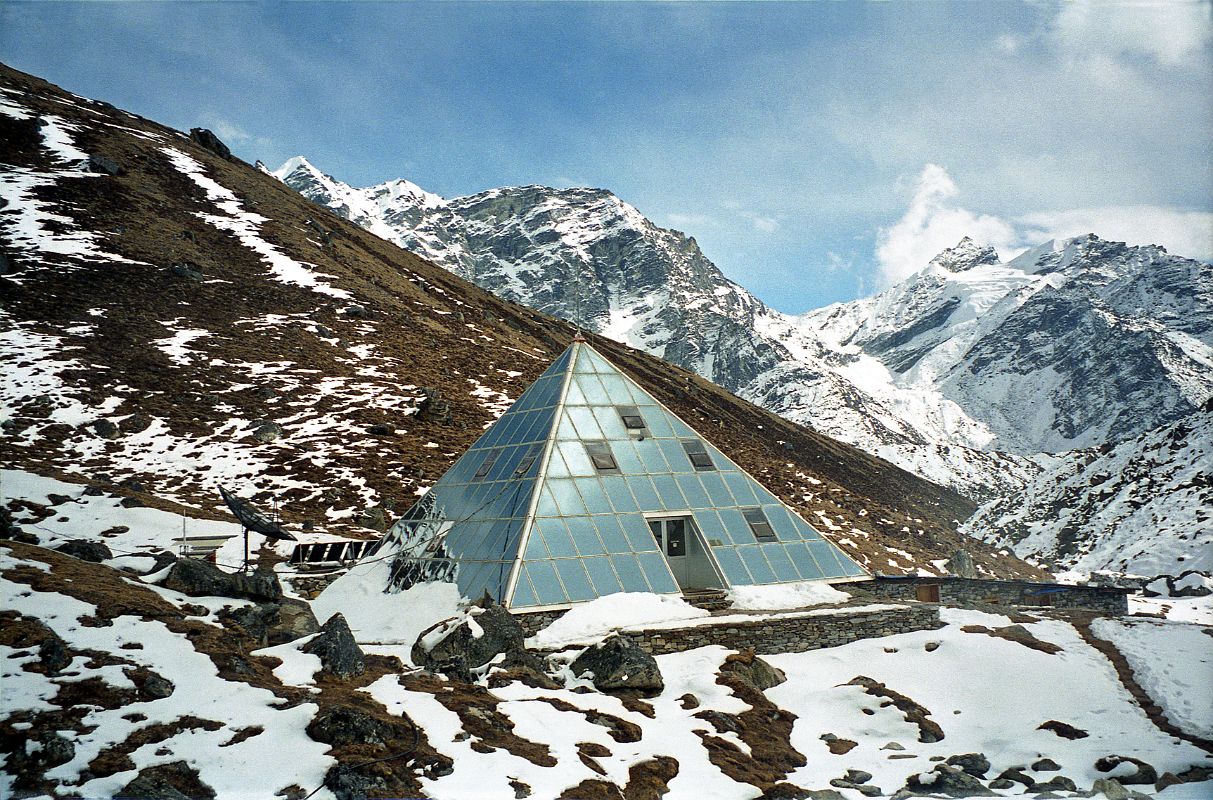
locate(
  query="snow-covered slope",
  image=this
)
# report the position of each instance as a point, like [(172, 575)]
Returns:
[(1144, 506)]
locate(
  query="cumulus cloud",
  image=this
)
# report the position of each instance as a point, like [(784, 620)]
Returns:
[(1170, 33), (934, 222)]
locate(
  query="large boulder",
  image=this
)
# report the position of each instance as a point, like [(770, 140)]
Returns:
[(752, 671), (975, 764), (460, 645), (174, 781), (86, 550), (202, 579), (204, 138), (617, 664), (1141, 771), (274, 623), (961, 565), (948, 781), (339, 654)]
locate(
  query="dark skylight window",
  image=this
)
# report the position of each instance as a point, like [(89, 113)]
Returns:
[(697, 452), (601, 456), (632, 420), (489, 460), (759, 524)]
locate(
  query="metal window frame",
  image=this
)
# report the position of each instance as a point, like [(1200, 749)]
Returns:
[(695, 448), (757, 524)]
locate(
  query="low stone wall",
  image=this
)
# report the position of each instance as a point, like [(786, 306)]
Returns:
[(535, 621), (781, 633), (791, 634), (975, 593)]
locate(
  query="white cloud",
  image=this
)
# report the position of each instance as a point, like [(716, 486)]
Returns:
[(1008, 43), (684, 221), (1183, 233), (764, 224), (1170, 33), (934, 222)]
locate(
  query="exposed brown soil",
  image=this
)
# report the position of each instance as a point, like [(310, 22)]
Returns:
[(428, 327), (117, 758), (928, 729), (1015, 633), (647, 780)]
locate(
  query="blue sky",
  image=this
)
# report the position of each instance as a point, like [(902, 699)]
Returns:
[(817, 151)]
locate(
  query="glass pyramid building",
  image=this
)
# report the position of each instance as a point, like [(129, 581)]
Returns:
[(588, 486)]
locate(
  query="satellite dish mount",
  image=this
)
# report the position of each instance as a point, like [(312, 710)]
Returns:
[(253, 520)]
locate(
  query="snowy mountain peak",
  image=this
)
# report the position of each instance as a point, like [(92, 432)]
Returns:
[(298, 164), (964, 256)]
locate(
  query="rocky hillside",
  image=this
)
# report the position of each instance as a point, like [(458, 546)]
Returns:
[(1144, 506), (1106, 341), (176, 320)]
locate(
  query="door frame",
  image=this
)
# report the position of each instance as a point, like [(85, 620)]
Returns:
[(692, 531)]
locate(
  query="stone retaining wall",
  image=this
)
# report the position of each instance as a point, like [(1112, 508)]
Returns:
[(786, 633), (976, 593)]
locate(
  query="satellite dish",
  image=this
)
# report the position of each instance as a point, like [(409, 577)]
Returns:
[(252, 519)]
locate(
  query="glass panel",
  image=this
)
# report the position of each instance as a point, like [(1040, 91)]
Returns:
[(524, 595), (675, 456), (592, 494), (628, 569), (693, 490), (612, 535), (804, 561), (650, 455), (730, 564), (556, 536), (642, 489), (636, 528), (759, 569), (758, 524), (543, 578), (576, 582), (583, 421), (547, 505), (710, 526), (602, 575), (617, 492), (601, 456), (659, 425), (717, 491), (616, 388), (632, 419), (823, 552), (567, 498), (557, 467), (575, 397), (780, 562), (585, 536), (739, 485), (598, 362), (592, 390), (807, 531), (625, 454), (584, 363), (565, 430), (575, 457), (657, 572), (535, 547), (667, 490)]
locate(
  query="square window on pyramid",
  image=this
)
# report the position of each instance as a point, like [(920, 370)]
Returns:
[(588, 486)]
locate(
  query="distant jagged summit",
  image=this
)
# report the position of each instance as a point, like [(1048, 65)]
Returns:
[(965, 255)]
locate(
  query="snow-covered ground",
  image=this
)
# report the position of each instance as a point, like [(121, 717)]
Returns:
[(1173, 662)]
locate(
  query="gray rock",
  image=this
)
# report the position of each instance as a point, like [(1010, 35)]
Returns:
[(202, 579), (893, 746), (1001, 783), (975, 764), (339, 654), (858, 776), (1110, 788), (947, 781), (1017, 775), (274, 623), (961, 565), (103, 166), (433, 407), (135, 423), (1045, 765), (496, 632), (53, 654), (186, 272), (1058, 783), (209, 141), (267, 432), (345, 725), (173, 781), (1145, 773), (379, 429), (753, 671), (617, 664), (85, 550), (105, 429), (374, 518)]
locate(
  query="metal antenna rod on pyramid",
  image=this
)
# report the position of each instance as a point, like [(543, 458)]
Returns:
[(253, 520)]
